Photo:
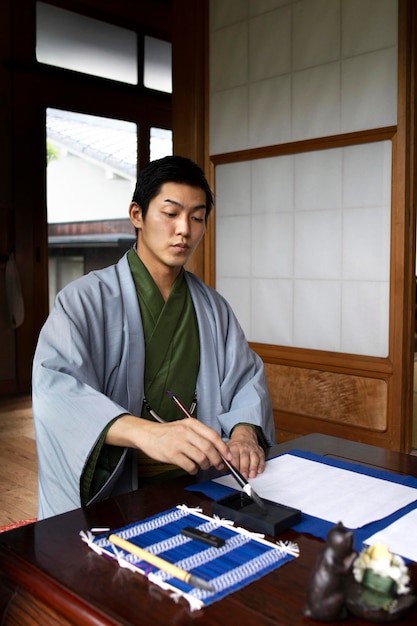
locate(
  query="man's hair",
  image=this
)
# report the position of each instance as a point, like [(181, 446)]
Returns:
[(169, 169)]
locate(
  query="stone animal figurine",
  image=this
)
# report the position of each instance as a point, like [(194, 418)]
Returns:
[(325, 593)]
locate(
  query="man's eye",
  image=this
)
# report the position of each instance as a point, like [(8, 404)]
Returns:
[(198, 219)]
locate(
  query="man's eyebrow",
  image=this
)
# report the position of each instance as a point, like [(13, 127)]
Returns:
[(198, 206)]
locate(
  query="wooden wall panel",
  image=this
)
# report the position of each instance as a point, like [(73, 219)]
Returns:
[(339, 399)]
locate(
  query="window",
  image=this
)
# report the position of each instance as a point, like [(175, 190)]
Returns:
[(91, 176), (76, 42), (160, 144), (157, 66), (92, 160)]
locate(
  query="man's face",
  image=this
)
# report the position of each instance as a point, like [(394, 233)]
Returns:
[(173, 226)]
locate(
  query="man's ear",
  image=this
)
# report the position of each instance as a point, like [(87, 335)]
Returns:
[(135, 214)]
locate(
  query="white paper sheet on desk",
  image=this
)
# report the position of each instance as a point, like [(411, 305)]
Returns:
[(327, 492), (400, 536)]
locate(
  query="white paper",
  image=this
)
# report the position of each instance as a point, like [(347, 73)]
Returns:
[(329, 493), (400, 536)]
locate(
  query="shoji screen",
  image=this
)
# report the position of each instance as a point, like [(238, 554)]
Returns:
[(304, 139), (303, 239)]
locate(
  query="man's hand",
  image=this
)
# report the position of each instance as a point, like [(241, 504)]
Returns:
[(247, 454), (187, 443)]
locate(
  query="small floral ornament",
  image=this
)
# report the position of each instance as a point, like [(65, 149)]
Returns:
[(380, 571)]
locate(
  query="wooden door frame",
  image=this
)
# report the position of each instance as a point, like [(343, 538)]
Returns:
[(404, 309), (190, 104)]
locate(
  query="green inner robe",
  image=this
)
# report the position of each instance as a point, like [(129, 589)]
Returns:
[(172, 358), (172, 347)]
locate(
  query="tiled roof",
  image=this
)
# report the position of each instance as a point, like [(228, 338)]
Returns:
[(110, 143), (91, 240)]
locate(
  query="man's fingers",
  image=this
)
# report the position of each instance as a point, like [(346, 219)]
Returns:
[(249, 458), (186, 443)]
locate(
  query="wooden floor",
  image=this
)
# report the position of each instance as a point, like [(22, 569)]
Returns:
[(18, 461)]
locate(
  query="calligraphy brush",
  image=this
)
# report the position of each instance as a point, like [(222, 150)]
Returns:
[(240, 479), (160, 563)]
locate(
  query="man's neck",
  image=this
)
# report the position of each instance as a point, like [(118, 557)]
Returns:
[(164, 276)]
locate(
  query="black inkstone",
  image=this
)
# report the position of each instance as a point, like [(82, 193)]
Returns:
[(272, 520)]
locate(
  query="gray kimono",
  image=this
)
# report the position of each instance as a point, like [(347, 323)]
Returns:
[(89, 367)]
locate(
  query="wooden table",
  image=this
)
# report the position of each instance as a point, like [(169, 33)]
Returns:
[(49, 576)]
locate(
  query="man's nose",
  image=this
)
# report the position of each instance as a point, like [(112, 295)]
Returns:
[(183, 224)]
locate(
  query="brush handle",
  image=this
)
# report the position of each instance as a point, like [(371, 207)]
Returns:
[(241, 480), (165, 566), (237, 475)]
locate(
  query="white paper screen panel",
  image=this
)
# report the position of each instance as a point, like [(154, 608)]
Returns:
[(283, 70), (303, 247)]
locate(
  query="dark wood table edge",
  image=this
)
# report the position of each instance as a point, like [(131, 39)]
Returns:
[(43, 587)]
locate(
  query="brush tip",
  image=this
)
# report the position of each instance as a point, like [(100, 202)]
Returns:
[(195, 581), (258, 501), (170, 393)]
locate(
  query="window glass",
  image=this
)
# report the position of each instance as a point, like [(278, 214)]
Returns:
[(160, 143), (157, 72), (75, 42), (91, 175), (92, 164), (62, 270)]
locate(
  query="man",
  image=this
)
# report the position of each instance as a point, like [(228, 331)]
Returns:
[(119, 338)]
